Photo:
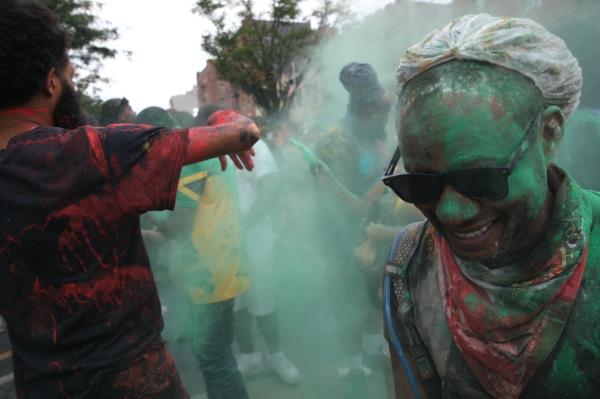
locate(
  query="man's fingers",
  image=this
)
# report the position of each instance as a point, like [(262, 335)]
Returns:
[(247, 159), (223, 161), (236, 161)]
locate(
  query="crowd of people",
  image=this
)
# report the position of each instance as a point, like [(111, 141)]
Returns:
[(218, 248), (489, 284)]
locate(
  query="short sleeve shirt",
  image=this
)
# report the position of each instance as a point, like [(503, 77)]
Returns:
[(265, 164), (206, 261), (76, 287)]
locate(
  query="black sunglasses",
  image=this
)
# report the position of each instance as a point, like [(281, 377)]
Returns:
[(486, 183)]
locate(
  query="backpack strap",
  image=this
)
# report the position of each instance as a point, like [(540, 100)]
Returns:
[(399, 298)]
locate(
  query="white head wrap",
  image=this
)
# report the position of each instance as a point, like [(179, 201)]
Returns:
[(515, 43)]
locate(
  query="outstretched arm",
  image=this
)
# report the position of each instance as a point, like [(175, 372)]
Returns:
[(228, 133)]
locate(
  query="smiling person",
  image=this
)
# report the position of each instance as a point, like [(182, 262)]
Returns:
[(76, 288), (495, 295)]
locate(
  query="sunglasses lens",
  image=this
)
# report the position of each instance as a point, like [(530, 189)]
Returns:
[(480, 183), (415, 188)]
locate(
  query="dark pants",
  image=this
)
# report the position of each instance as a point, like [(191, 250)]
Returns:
[(349, 299), (212, 337), (152, 375)]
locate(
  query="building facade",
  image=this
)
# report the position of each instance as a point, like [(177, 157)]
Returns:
[(212, 90)]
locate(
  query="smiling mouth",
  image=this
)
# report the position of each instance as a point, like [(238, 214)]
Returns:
[(475, 234)]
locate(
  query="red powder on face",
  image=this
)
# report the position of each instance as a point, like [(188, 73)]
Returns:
[(498, 110), (454, 100)]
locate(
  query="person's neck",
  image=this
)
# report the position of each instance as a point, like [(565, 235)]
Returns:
[(18, 120)]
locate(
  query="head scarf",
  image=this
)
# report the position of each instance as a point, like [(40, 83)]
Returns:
[(156, 116), (360, 80), (514, 43)]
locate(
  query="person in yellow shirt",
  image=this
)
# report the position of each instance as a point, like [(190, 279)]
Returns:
[(207, 268), (204, 261)]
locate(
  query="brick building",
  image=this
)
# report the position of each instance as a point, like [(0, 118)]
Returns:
[(212, 90)]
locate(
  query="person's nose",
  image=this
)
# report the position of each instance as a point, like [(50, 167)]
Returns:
[(455, 209)]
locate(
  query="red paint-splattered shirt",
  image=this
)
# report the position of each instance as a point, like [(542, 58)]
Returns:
[(76, 287)]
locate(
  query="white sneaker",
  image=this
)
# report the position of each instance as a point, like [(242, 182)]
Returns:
[(281, 365), (250, 364)]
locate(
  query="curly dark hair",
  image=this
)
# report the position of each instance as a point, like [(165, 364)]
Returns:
[(32, 42)]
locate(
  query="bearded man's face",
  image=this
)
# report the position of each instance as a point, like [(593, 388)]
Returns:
[(68, 113)]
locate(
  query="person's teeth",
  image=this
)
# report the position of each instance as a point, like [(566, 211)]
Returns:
[(475, 234)]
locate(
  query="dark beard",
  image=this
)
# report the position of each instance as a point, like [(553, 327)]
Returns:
[(68, 113)]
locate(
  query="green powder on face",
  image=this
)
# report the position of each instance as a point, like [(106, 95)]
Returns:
[(481, 109), (456, 208), (464, 114)]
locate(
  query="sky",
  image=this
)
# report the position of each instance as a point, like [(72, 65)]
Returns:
[(164, 38)]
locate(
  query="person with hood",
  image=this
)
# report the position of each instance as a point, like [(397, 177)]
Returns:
[(349, 158)]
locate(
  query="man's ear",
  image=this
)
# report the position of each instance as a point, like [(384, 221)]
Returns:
[(52, 84), (553, 127)]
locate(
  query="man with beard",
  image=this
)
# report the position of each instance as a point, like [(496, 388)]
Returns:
[(76, 288), (496, 294), (352, 152)]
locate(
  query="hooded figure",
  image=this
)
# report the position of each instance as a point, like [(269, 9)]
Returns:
[(352, 152), (156, 116)]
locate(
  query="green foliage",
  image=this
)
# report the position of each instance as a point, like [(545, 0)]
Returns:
[(89, 42), (266, 55)]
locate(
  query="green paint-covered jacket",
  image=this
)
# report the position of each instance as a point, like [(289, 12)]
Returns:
[(572, 369)]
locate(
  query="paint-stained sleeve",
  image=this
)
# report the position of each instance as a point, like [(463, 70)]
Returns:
[(144, 165)]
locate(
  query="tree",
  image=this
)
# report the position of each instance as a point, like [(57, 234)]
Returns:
[(89, 45), (266, 55)]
